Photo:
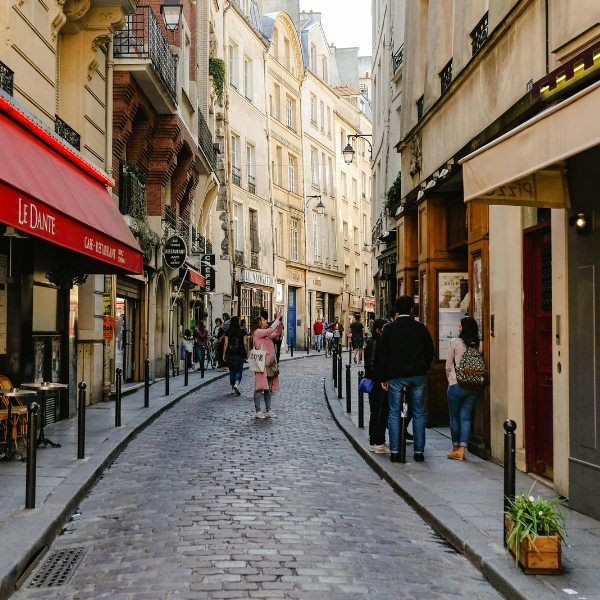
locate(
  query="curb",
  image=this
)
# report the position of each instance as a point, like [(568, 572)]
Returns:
[(486, 556)]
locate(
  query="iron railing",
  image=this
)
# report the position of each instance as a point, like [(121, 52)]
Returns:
[(205, 141), (184, 231), (67, 133), (132, 191), (170, 218), (446, 76), (201, 244), (254, 260), (251, 184), (7, 78), (398, 58), (193, 239), (239, 257), (142, 37), (479, 34), (236, 175), (420, 107), (209, 249)]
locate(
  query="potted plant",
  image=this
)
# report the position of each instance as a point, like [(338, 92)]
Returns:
[(534, 529)]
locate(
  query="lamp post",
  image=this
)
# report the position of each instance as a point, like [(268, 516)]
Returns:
[(320, 205), (348, 151), (171, 13)]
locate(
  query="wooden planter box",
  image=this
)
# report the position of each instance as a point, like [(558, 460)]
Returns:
[(543, 559)]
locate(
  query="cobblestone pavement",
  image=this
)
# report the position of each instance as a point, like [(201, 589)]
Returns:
[(208, 503)]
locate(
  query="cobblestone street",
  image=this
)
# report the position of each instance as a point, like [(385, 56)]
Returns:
[(209, 503)]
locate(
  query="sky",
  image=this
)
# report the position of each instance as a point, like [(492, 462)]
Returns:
[(347, 23)]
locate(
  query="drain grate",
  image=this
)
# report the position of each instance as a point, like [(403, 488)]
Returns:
[(58, 568)]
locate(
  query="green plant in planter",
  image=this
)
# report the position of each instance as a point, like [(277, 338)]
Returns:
[(532, 517), (393, 195)]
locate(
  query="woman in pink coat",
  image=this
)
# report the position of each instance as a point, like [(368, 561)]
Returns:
[(263, 340)]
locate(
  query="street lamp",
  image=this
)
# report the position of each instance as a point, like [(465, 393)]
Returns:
[(320, 205), (348, 151), (171, 13)]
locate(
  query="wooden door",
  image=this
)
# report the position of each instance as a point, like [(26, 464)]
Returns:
[(537, 252)]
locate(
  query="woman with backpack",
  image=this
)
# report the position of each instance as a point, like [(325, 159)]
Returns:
[(465, 371), (235, 350)]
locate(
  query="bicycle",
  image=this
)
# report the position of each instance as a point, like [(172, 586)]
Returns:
[(329, 345), (210, 353)]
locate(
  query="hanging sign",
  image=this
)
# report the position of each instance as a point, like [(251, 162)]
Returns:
[(175, 252), (207, 272), (109, 328)]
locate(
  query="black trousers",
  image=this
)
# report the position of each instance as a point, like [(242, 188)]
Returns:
[(378, 418)]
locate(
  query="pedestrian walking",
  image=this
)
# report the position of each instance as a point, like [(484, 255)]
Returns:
[(337, 329), (267, 381), (358, 338), (461, 399), (200, 340), (318, 329), (378, 397), (406, 355), (187, 344), (235, 350), (221, 340)]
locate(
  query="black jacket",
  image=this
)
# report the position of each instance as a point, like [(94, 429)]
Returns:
[(372, 359), (406, 349)]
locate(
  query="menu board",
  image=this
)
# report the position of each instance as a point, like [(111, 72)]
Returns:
[(453, 304), (3, 303)]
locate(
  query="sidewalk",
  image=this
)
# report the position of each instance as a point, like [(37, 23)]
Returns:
[(63, 481), (463, 502)]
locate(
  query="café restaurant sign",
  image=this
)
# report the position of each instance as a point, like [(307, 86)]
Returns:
[(175, 252)]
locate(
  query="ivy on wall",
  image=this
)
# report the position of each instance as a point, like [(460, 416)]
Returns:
[(393, 195), (216, 69)]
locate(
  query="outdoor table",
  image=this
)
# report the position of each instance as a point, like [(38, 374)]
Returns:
[(44, 387), (11, 393)]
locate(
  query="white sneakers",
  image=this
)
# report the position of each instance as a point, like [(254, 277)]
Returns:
[(383, 449), (267, 415), (236, 389), (259, 415), (270, 415)]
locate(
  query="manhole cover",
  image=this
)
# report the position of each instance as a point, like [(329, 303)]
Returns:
[(58, 568)]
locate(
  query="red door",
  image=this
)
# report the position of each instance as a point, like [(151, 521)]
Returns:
[(537, 253)]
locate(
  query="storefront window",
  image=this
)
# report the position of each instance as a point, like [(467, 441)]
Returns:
[(453, 304)]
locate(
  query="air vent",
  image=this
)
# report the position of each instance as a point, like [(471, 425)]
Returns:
[(58, 568)]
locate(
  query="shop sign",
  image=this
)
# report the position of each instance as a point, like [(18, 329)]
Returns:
[(356, 302), (175, 252), (106, 299), (207, 272), (109, 328), (258, 278), (368, 305)]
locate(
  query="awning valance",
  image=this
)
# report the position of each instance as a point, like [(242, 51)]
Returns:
[(523, 167), (196, 278), (45, 195)]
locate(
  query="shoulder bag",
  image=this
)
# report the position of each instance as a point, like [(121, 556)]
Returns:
[(256, 360)]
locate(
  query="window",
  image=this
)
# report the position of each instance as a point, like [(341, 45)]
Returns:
[(254, 241), (250, 168), (346, 241), (279, 235), (364, 229), (342, 140), (354, 191), (291, 182), (347, 277), (238, 227), (235, 169), (248, 78), (325, 69), (344, 186), (329, 121), (294, 238), (331, 189), (314, 173), (316, 237), (286, 53), (363, 184), (334, 238), (313, 110), (277, 99), (313, 57), (324, 173), (356, 239), (289, 113), (357, 279), (279, 174), (232, 66), (322, 117), (353, 143)]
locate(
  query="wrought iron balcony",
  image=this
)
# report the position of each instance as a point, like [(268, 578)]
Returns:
[(142, 37), (420, 108), (251, 184), (446, 76), (479, 34), (184, 231), (236, 175), (205, 141), (398, 58), (6, 79), (209, 249), (254, 260), (132, 191), (67, 133), (193, 239), (239, 257), (201, 244), (170, 218)]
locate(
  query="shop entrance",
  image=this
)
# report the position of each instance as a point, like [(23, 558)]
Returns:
[(125, 335), (537, 281), (291, 315)]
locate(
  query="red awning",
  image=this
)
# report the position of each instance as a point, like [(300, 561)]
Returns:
[(196, 278), (45, 195)]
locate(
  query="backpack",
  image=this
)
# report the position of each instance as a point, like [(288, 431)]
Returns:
[(471, 372), (234, 345)]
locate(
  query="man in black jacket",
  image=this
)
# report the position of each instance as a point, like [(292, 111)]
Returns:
[(406, 355)]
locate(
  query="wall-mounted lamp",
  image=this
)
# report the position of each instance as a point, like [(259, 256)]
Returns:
[(580, 222), (171, 13)]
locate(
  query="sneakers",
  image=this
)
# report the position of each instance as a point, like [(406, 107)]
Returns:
[(236, 389), (372, 447), (259, 415), (383, 449), (418, 456), (270, 415), (354, 359)]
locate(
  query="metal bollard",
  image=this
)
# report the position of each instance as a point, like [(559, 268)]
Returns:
[(167, 356), (334, 361), (308, 344), (403, 424), (147, 383), (203, 348), (509, 462), (292, 346), (339, 376), (31, 455), (118, 401), (361, 402), (186, 368), (81, 421), (348, 389)]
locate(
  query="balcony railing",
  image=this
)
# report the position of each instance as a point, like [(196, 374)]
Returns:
[(239, 257), (398, 58), (479, 34), (251, 184), (201, 244), (209, 249), (6, 79), (142, 37), (170, 218), (132, 191), (184, 231), (193, 239), (446, 76), (236, 175), (205, 140), (67, 133), (254, 260)]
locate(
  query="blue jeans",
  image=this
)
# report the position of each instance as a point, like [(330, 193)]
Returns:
[(416, 403), (460, 405), (236, 365), (200, 353), (318, 337)]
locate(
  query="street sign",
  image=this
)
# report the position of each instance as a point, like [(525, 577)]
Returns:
[(109, 328), (175, 252), (207, 272)]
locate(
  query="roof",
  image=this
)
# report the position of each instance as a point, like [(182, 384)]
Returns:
[(346, 90)]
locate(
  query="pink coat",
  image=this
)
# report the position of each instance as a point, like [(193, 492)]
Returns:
[(263, 340)]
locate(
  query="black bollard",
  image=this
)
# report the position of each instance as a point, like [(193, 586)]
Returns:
[(31, 455), (203, 348), (308, 344), (167, 375), (403, 424), (361, 402), (292, 346), (509, 462), (118, 401), (348, 389), (147, 383), (81, 422), (339, 375), (186, 369), (334, 361)]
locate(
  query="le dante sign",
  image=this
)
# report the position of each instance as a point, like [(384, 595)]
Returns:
[(175, 252)]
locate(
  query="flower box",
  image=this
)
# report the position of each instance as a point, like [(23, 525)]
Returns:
[(542, 557)]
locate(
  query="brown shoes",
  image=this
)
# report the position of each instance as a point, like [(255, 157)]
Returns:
[(456, 455)]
